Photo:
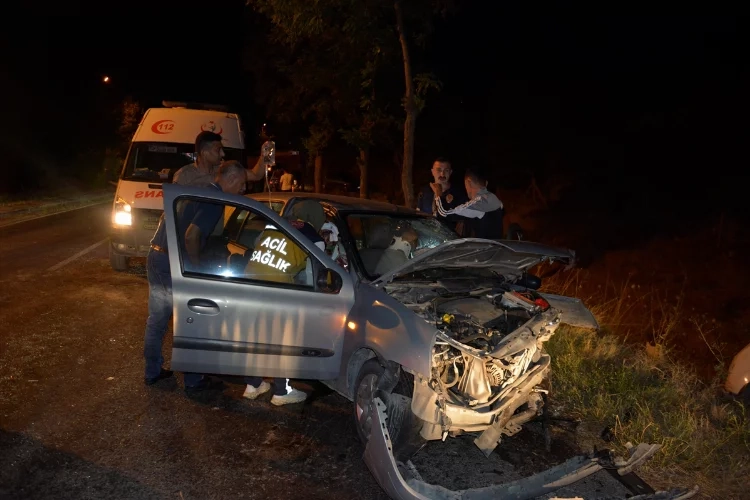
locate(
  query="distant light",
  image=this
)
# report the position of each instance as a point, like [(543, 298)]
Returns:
[(352, 325), (106, 79)]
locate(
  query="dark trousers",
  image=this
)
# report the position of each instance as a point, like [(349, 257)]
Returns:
[(159, 315)]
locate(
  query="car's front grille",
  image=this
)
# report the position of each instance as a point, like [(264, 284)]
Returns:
[(146, 218)]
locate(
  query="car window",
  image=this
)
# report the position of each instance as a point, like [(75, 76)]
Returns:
[(276, 206), (385, 242), (241, 245)]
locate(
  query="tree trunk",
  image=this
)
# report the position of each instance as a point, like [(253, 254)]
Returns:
[(318, 173), (410, 124), (364, 162)]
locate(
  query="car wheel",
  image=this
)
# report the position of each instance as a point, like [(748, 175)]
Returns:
[(118, 262), (403, 426), (364, 395)]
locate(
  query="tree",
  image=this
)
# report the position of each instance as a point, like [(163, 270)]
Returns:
[(131, 113), (344, 32)]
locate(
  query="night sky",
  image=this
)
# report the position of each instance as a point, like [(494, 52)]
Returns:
[(632, 99)]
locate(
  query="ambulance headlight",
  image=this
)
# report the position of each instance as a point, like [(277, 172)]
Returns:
[(122, 215)]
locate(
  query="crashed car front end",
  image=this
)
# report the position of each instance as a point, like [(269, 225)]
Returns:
[(487, 369), (488, 361)]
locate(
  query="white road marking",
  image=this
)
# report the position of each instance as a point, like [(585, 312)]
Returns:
[(74, 257)]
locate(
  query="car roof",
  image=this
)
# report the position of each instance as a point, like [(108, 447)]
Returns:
[(340, 203)]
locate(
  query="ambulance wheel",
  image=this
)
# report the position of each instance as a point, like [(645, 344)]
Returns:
[(118, 262)]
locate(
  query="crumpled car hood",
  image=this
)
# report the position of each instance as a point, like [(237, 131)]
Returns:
[(504, 256)]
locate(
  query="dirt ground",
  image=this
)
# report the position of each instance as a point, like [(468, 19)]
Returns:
[(666, 277)]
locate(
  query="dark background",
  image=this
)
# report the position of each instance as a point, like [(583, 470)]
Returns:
[(633, 109)]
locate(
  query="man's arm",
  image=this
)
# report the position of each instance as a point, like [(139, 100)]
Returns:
[(258, 172), (193, 244)]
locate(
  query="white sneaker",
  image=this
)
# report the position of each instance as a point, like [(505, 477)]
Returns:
[(293, 396), (253, 392)]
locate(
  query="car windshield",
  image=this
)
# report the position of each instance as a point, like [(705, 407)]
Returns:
[(158, 161), (386, 241)]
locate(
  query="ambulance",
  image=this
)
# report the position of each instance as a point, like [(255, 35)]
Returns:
[(163, 143)]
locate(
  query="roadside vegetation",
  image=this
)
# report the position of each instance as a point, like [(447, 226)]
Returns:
[(18, 209), (620, 391)]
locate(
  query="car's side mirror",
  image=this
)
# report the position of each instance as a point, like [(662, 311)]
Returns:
[(329, 281)]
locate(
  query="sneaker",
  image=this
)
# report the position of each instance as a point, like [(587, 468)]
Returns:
[(253, 392), (293, 396)]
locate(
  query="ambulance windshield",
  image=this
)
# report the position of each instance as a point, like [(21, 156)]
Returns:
[(158, 161)]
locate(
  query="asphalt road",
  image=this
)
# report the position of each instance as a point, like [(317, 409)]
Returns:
[(76, 420)]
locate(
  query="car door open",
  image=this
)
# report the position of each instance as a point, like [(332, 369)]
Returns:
[(263, 300)]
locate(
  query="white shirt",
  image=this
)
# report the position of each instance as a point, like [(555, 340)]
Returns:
[(286, 181)]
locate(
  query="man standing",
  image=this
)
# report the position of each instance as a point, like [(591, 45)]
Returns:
[(483, 212), (209, 154), (449, 195), (195, 222), (286, 182)]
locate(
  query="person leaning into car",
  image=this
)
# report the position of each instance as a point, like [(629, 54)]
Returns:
[(195, 222), (275, 258)]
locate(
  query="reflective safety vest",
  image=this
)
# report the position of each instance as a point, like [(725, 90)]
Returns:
[(276, 258)]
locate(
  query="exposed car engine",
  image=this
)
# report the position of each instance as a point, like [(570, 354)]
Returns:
[(489, 336)]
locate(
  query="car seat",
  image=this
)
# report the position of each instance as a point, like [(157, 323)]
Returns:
[(378, 240)]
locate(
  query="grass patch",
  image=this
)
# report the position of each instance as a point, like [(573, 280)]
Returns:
[(638, 396)]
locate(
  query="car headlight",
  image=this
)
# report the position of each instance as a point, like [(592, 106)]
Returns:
[(122, 215)]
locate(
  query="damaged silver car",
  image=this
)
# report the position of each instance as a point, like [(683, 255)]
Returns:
[(429, 335)]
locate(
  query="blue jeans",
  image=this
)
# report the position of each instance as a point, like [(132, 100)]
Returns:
[(159, 310), (279, 384), (159, 315)]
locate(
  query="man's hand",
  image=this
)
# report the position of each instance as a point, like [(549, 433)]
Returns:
[(258, 172), (436, 188)]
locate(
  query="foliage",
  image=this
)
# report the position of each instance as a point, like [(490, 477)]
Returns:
[(130, 115), (629, 393), (336, 66)]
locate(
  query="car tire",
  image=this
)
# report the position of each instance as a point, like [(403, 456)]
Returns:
[(118, 262), (403, 426), (364, 394)]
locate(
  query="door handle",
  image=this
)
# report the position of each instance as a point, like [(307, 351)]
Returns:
[(203, 306)]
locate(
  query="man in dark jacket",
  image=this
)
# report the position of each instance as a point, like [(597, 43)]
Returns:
[(450, 196)]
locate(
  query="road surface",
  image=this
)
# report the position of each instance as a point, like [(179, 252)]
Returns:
[(76, 420)]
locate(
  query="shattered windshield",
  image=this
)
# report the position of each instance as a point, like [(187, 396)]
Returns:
[(385, 242), (158, 161)]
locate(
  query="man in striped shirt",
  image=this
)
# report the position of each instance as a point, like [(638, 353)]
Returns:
[(483, 213)]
